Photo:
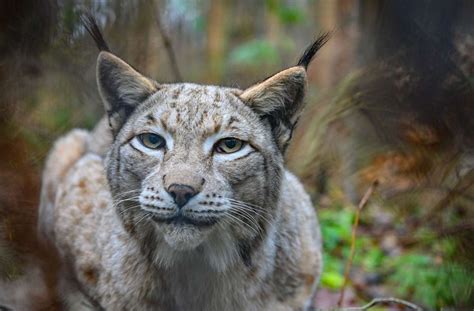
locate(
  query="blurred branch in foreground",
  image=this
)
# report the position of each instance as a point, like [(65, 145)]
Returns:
[(167, 43), (363, 202)]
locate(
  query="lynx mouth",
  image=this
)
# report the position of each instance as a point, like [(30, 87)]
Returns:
[(181, 220)]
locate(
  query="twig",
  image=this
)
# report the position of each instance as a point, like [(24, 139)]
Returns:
[(376, 301), (167, 43), (348, 266)]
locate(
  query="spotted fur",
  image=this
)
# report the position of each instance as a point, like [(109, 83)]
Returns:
[(251, 238)]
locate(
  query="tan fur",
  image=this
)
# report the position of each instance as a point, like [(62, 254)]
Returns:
[(259, 94), (104, 201)]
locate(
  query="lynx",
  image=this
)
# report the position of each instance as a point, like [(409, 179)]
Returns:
[(180, 200)]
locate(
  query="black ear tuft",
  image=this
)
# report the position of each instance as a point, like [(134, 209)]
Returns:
[(311, 50), (93, 29)]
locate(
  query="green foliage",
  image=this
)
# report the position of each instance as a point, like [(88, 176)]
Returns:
[(421, 274), (336, 232), (336, 228), (255, 52), (291, 15), (432, 283), (199, 23), (331, 278), (288, 15), (372, 259)]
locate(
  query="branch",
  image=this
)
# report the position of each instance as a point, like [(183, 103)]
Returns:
[(167, 43), (347, 269), (377, 301)]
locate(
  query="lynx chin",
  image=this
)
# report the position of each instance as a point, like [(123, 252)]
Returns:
[(179, 198)]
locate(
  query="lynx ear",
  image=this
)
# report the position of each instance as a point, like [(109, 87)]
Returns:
[(279, 98), (121, 87)]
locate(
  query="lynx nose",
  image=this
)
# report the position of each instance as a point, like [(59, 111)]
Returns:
[(181, 194)]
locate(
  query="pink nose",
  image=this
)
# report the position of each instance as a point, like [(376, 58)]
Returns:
[(181, 194)]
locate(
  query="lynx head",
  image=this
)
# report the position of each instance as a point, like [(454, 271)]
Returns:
[(195, 169)]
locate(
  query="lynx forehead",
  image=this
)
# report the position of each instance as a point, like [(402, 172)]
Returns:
[(182, 201), (190, 111)]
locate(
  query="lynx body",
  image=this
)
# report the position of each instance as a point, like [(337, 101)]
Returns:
[(181, 200)]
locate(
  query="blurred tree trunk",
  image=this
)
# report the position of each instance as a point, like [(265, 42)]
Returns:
[(272, 22), (333, 63), (327, 15), (336, 59), (216, 31), (139, 49)]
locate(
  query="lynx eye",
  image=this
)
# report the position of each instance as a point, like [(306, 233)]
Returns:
[(228, 145), (152, 141)]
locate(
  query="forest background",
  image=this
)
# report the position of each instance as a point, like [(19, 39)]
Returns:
[(390, 102)]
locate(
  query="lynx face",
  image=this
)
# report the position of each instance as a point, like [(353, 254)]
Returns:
[(197, 167), (195, 159)]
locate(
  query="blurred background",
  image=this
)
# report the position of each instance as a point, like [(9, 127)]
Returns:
[(391, 99)]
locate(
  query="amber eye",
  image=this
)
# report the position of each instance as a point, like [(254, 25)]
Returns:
[(152, 141), (228, 145)]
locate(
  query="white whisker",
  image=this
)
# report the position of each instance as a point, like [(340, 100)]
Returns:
[(265, 216), (239, 221)]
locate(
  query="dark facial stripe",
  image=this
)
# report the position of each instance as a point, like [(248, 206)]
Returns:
[(138, 150), (232, 120), (177, 92), (128, 217), (151, 118), (117, 169), (266, 187), (248, 247), (218, 96), (164, 120), (217, 127), (128, 140), (245, 253), (148, 244)]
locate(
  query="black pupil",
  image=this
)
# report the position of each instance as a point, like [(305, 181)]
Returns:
[(231, 143), (154, 139)]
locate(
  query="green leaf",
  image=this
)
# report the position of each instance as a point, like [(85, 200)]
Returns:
[(372, 259), (291, 15), (332, 280)]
